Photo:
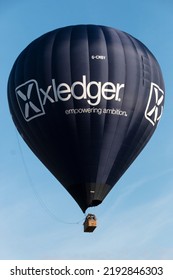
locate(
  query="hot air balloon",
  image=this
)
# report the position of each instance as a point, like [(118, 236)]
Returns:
[(86, 99)]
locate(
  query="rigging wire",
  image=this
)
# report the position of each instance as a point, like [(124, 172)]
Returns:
[(31, 184)]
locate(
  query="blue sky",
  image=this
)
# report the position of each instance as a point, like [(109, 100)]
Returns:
[(38, 219)]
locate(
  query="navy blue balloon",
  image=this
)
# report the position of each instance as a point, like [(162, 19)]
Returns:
[(86, 99)]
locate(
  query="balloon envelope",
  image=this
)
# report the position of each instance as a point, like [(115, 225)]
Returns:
[(86, 99)]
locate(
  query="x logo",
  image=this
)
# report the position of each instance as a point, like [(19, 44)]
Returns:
[(154, 107), (29, 100)]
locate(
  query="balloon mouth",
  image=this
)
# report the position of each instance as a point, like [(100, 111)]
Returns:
[(95, 202)]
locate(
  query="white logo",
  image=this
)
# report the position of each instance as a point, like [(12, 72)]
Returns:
[(98, 57), (28, 97), (32, 99), (154, 107)]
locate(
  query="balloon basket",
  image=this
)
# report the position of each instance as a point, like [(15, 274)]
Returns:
[(90, 223)]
